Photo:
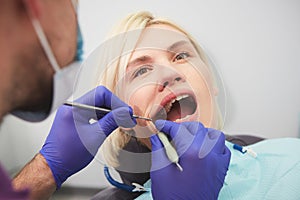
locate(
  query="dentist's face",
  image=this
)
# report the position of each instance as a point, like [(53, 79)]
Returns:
[(166, 79)]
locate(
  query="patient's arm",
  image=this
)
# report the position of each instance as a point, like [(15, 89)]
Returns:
[(37, 177)]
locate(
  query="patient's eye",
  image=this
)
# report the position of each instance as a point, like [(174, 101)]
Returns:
[(181, 56), (142, 70)]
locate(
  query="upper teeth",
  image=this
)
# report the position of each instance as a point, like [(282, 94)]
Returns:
[(181, 97), (168, 106)]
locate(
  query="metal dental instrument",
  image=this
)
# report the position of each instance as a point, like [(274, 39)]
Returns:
[(88, 107)]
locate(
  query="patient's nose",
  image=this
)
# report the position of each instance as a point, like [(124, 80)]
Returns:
[(168, 78)]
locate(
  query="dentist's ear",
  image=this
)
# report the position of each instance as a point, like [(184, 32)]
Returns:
[(33, 7)]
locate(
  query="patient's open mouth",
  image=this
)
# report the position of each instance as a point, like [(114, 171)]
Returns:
[(177, 108)]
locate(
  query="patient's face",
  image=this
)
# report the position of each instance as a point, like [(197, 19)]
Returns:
[(166, 79)]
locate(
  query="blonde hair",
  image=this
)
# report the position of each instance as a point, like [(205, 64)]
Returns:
[(115, 59)]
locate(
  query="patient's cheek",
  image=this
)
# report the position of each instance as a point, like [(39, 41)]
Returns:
[(138, 111)]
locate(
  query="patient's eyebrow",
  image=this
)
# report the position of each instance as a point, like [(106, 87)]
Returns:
[(140, 60), (147, 59), (177, 44)]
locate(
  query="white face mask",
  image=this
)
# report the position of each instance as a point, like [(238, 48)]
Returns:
[(63, 80)]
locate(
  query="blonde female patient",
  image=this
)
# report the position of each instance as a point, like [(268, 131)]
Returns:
[(158, 69)]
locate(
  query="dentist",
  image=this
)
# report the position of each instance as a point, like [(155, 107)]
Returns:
[(41, 47)]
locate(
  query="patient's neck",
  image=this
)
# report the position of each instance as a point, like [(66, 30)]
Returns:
[(146, 142)]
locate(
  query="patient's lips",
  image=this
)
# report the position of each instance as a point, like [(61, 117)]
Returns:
[(176, 107)]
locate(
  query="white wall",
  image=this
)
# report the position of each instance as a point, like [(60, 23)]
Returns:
[(255, 45)]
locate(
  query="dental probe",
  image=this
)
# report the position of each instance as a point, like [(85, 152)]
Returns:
[(88, 107), (170, 150)]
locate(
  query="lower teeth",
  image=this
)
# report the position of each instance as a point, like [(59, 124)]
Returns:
[(181, 119)]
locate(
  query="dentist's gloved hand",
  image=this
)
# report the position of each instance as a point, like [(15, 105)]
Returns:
[(203, 157), (73, 142)]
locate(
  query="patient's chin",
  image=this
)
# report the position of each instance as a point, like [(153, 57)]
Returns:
[(143, 131)]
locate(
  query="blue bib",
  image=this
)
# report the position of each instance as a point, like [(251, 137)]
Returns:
[(273, 174)]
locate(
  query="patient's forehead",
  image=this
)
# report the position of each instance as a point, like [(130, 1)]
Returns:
[(160, 36), (165, 27)]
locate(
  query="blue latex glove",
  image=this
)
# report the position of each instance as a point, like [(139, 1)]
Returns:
[(203, 157), (73, 142)]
